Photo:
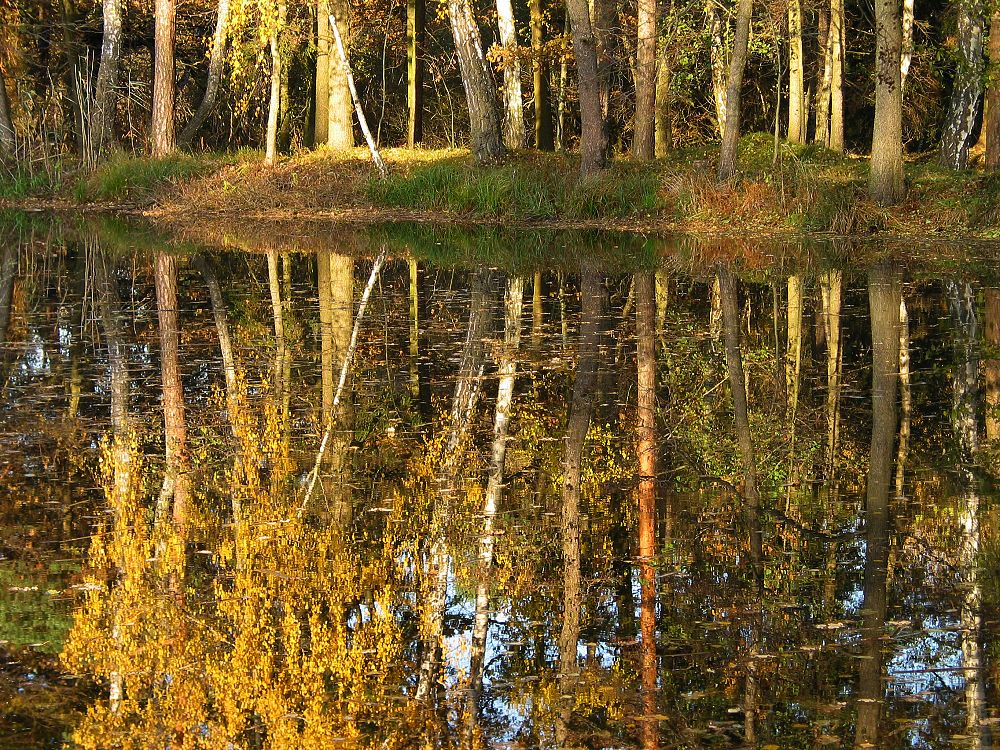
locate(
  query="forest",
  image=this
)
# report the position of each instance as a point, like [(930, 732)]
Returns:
[(84, 81)]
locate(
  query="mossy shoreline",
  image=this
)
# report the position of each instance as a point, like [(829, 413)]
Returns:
[(805, 191)]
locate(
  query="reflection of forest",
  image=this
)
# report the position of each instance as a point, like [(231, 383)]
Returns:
[(567, 507)]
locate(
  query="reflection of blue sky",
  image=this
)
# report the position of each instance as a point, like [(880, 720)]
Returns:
[(929, 660)]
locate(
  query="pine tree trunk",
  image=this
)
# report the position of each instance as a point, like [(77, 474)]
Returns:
[(484, 118), (216, 64), (644, 137), (106, 90), (737, 64), (415, 34), (593, 135), (885, 183), (967, 87), (164, 91), (513, 120), (540, 68), (796, 74)]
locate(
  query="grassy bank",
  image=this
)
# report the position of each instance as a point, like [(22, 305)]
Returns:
[(807, 189)]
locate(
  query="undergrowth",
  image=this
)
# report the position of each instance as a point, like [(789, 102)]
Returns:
[(129, 177)]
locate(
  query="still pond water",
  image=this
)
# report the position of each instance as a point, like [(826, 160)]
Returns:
[(312, 487)]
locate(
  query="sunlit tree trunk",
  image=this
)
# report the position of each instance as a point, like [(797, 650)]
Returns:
[(106, 89), (513, 120), (645, 327), (793, 351), (906, 47), (992, 364), (967, 88), (831, 287), (321, 126), (464, 400), (340, 108), (644, 139), (415, 34), (884, 299), (280, 343), (507, 370), (991, 115), (885, 182), (540, 69), (837, 46), (905, 396), (718, 58), (274, 104), (561, 95), (484, 118), (715, 311), (580, 412), (164, 92), (734, 91), (822, 132), (216, 63), (593, 135), (737, 385), (797, 116), (663, 140)]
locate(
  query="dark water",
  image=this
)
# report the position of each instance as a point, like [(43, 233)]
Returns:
[(307, 575)]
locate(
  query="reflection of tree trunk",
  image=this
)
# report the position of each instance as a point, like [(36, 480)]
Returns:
[(793, 351), (507, 369), (581, 409), (715, 313), (277, 312), (831, 288), (645, 326), (467, 386), (536, 311), (737, 384), (175, 480), (8, 273), (906, 399), (414, 327), (965, 406), (884, 297), (992, 364), (781, 388)]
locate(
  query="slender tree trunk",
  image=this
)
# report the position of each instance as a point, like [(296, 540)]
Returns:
[(415, 12), (164, 91), (906, 47), (991, 116), (967, 88), (644, 139), (513, 119), (340, 109), (884, 299), (593, 135), (885, 183), (737, 64), (540, 70), (414, 269), (837, 44), (718, 58), (822, 134), (507, 369), (797, 116), (274, 105), (277, 313), (663, 140), (323, 42), (216, 63), (580, 412), (737, 385), (831, 285), (906, 398), (106, 90), (561, 98), (992, 364)]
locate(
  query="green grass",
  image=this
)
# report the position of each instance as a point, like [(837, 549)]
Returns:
[(19, 183), (124, 177)]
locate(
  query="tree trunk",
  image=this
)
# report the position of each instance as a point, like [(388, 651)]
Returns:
[(415, 34), (992, 364), (484, 119), (340, 109), (737, 64), (593, 126), (837, 37), (737, 386), (663, 140), (885, 183), (323, 41), (561, 98), (906, 47), (967, 87), (163, 79), (884, 298), (580, 412), (797, 116), (718, 56), (8, 142), (992, 113), (644, 137), (513, 120), (540, 69), (822, 133), (216, 63), (106, 91), (274, 103)]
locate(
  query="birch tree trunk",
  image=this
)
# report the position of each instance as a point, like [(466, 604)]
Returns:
[(540, 70), (737, 64), (967, 88), (164, 91), (796, 74), (513, 120), (415, 34), (593, 135), (216, 63), (644, 137), (484, 119), (885, 182), (106, 88)]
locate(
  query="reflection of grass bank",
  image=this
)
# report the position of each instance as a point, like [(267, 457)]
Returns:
[(807, 189)]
